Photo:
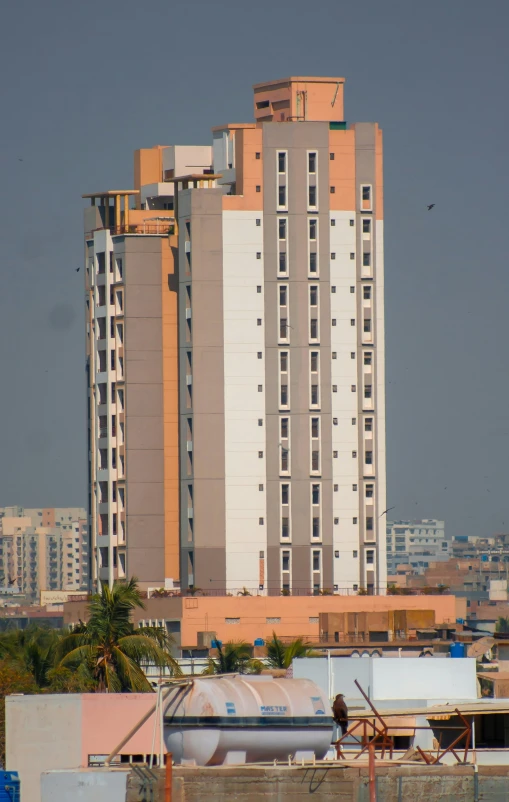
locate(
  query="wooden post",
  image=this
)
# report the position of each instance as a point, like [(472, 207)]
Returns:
[(372, 779), (168, 776)]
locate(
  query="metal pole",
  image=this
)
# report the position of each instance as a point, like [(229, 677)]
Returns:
[(161, 733), (151, 762), (372, 777), (168, 777)]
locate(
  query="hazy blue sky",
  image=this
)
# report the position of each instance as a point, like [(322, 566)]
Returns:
[(85, 83)]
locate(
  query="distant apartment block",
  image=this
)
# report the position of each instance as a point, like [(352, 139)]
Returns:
[(416, 543), (235, 346), (44, 549)]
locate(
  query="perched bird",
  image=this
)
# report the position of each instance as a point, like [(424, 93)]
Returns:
[(340, 712), (430, 207), (387, 510)]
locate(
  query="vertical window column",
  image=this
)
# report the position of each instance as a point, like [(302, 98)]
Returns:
[(282, 239), (284, 312), (282, 180)]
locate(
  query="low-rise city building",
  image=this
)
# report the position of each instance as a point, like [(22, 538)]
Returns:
[(417, 543)]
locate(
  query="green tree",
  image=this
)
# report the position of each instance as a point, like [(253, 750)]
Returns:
[(110, 649), (502, 624), (280, 655), (33, 649), (233, 658)]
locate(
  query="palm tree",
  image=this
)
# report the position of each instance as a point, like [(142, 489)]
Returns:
[(281, 655), (111, 648), (33, 649), (233, 659)]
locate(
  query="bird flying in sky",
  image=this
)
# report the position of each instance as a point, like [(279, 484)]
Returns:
[(387, 510), (77, 270), (430, 207)]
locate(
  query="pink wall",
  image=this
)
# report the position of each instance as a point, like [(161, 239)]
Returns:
[(107, 718)]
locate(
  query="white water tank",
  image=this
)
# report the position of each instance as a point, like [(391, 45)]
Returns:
[(246, 719)]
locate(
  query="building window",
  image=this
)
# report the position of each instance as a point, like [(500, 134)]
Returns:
[(259, 354), (352, 256), (315, 460), (315, 427), (259, 288), (283, 329), (369, 458), (285, 494), (313, 296), (316, 527), (370, 557), (260, 521), (336, 488), (366, 193), (354, 520), (258, 255), (312, 196), (260, 455), (352, 222), (333, 289), (284, 460), (284, 395), (366, 259), (258, 155), (312, 262), (352, 322), (335, 454), (367, 391), (333, 256), (259, 321), (333, 222), (283, 361), (366, 292), (284, 428), (260, 421), (258, 221), (260, 487), (285, 527), (258, 188), (367, 357), (354, 388), (314, 395), (312, 162), (334, 388), (282, 195), (332, 190), (354, 454), (367, 325), (260, 388), (285, 560), (369, 524), (368, 424), (334, 354), (334, 421), (315, 494), (281, 162), (313, 328), (333, 321), (312, 229), (282, 227), (369, 491), (316, 560), (314, 361), (282, 294), (282, 261)]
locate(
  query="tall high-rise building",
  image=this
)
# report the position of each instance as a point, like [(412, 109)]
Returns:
[(44, 548), (240, 442)]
